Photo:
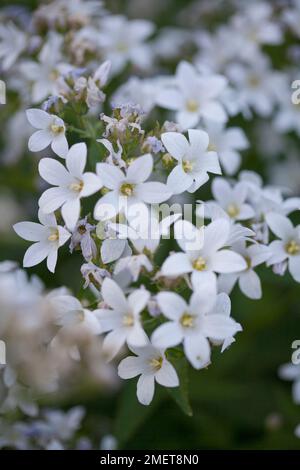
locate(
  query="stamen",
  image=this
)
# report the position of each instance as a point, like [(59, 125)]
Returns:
[(127, 189), (233, 210), (199, 264), (192, 106), (292, 248), (187, 320)]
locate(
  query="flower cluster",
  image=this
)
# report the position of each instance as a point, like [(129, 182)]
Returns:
[(119, 180)]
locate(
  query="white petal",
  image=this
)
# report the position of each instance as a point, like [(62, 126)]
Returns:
[(114, 296), (170, 99), (294, 267), (140, 169), (30, 231), (47, 219), (39, 141), (137, 300), (60, 145), (176, 144), (167, 375), (53, 198), (153, 192), (221, 191), (113, 342), (110, 175), (219, 327), (186, 119), (210, 162), (54, 172), (167, 335), (172, 305), (145, 389), (107, 207), (63, 234), (216, 235), (130, 367), (227, 261), (188, 237), (197, 351), (70, 212), (250, 285), (35, 254), (176, 265), (214, 111), (226, 282), (198, 140), (91, 184), (76, 159), (137, 337), (111, 250), (280, 225), (178, 181), (39, 118), (52, 260)]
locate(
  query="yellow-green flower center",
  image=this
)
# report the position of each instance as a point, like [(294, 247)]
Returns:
[(199, 264), (128, 319), (156, 362), (187, 320), (57, 128), (77, 186), (187, 166), (54, 236), (233, 210), (127, 189), (192, 106), (292, 248)]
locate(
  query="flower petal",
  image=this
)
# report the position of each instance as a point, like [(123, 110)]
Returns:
[(113, 296), (39, 141), (172, 305), (197, 351), (153, 192), (227, 261), (110, 175), (167, 375), (91, 184), (35, 254), (70, 212), (167, 335), (39, 118), (76, 159), (176, 144), (176, 265), (30, 231), (60, 145), (145, 389), (250, 284), (140, 169), (178, 181), (130, 367), (54, 172)]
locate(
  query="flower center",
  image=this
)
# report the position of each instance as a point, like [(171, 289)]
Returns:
[(128, 319), (156, 362), (211, 147), (57, 128), (254, 81), (77, 186), (54, 236), (233, 210), (199, 264), (187, 320), (292, 248), (192, 106), (127, 189), (187, 166)]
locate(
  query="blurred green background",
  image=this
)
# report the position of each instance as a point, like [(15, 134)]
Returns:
[(238, 402)]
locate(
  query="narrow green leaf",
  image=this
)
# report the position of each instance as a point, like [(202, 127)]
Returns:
[(181, 394)]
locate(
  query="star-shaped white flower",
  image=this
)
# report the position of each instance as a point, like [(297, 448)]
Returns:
[(152, 366), (48, 238), (288, 247), (194, 160), (130, 189), (232, 199), (248, 280), (71, 184), (122, 319), (51, 131), (203, 252), (193, 96), (193, 324)]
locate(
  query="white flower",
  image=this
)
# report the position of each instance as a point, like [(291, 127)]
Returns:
[(130, 189), (288, 247), (134, 264), (248, 280), (232, 200), (71, 184), (193, 96), (51, 131), (48, 237), (193, 324), (227, 143), (194, 160), (203, 253), (152, 366), (123, 319), (122, 40)]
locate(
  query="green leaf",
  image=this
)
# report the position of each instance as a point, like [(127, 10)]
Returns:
[(181, 394)]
